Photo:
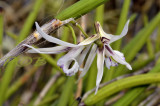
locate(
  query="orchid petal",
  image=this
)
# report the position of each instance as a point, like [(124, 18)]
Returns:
[(119, 53), (123, 33), (83, 54), (102, 33), (70, 71), (100, 65), (51, 50), (117, 56), (120, 59), (109, 62), (72, 54), (88, 61), (53, 39), (108, 50), (89, 40)]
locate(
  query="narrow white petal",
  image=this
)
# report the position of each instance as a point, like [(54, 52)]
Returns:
[(100, 65), (51, 50), (120, 59), (89, 40), (96, 89), (123, 33), (70, 71), (89, 60), (73, 53), (119, 53), (83, 54), (52, 39)]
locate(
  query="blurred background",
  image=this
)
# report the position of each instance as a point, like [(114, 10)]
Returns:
[(35, 79)]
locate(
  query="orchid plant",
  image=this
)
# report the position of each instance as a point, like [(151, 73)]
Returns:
[(98, 43)]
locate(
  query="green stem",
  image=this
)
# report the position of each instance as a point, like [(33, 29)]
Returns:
[(12, 35), (132, 18), (57, 84), (122, 84), (81, 29), (73, 33), (157, 40), (67, 90), (6, 79), (130, 96), (149, 43), (138, 90), (100, 14), (48, 100)]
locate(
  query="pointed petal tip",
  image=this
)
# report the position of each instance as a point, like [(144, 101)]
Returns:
[(36, 23), (96, 89), (129, 67), (128, 20)]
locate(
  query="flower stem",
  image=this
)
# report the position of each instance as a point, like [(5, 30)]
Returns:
[(6, 79), (84, 33), (122, 84), (124, 100), (73, 34)]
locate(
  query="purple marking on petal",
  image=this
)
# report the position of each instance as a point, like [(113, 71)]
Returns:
[(105, 40), (108, 49), (70, 74), (101, 49), (62, 66), (66, 49), (110, 59)]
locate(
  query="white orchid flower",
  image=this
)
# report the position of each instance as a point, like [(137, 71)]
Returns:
[(71, 62), (106, 53)]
